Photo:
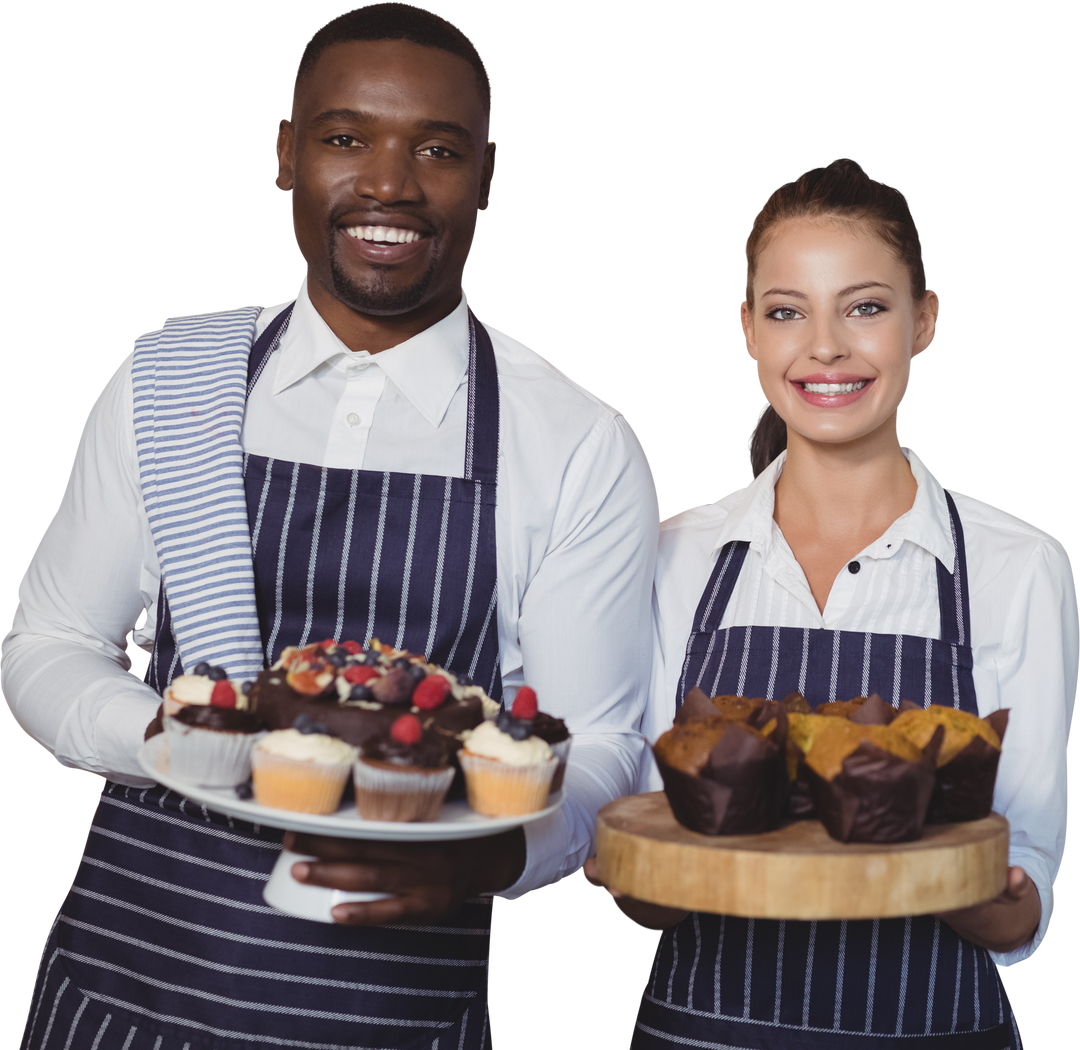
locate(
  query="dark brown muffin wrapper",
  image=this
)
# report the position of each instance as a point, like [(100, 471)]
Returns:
[(695, 706), (964, 788), (875, 712), (741, 790), (876, 796)]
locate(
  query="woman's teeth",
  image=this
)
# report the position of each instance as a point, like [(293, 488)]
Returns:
[(833, 388)]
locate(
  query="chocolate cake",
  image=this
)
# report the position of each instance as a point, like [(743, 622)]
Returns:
[(357, 694)]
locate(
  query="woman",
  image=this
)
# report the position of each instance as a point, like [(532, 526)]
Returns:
[(846, 569)]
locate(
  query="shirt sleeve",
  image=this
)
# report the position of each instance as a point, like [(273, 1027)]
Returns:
[(1036, 671), (65, 669), (585, 638)]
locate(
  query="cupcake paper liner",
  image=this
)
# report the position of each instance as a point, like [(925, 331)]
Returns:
[(498, 789), (399, 793), (297, 785), (209, 757)]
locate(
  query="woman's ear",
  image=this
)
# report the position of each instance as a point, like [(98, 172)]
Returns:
[(927, 322), (748, 330)]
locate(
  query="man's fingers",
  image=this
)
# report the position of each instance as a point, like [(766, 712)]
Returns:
[(337, 875), (378, 913), (359, 851)]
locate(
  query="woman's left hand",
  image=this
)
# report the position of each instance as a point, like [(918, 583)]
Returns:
[(1005, 923), (651, 916)]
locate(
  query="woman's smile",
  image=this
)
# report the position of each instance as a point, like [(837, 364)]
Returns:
[(831, 389)]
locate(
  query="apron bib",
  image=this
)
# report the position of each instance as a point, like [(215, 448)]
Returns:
[(165, 941), (722, 982)]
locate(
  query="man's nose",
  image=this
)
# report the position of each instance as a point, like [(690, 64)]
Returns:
[(388, 175)]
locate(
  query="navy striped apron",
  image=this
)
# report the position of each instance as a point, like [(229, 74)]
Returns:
[(165, 942), (719, 981)]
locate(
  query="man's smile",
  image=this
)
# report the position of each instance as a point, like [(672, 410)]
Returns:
[(384, 234)]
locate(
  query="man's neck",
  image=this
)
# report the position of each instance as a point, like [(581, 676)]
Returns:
[(375, 333)]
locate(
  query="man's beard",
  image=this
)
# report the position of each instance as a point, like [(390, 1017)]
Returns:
[(379, 295)]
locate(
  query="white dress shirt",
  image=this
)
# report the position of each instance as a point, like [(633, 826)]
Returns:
[(576, 521), (1023, 630)]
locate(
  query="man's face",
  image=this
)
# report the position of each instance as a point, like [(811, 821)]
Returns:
[(388, 160)]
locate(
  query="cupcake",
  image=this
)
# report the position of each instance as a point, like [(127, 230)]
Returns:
[(303, 770), (404, 775), (505, 776), (210, 743), (525, 719), (201, 686)]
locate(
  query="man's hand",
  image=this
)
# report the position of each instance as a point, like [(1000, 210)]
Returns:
[(431, 880), (157, 725), (651, 916), (1005, 923)]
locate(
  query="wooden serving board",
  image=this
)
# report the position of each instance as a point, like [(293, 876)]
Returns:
[(797, 871)]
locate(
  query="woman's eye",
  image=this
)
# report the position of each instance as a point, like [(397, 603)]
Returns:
[(867, 309), (783, 313)]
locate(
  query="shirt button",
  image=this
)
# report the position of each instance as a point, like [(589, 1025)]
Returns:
[(853, 566), (354, 420)]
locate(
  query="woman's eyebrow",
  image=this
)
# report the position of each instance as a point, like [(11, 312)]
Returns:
[(790, 293)]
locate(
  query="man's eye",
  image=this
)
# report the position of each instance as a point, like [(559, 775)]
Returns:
[(783, 313), (438, 152), (867, 309), (344, 141)]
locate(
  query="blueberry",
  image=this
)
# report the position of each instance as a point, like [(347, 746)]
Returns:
[(403, 662), (315, 727), (503, 720), (243, 791), (302, 721), (520, 729), (217, 674), (338, 658), (360, 692), (246, 688), (372, 658), (464, 679), (417, 671), (202, 668)]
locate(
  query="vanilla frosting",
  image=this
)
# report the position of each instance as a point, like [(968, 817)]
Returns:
[(488, 741), (307, 747), (191, 689)]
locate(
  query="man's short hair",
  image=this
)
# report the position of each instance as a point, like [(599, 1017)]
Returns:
[(396, 22)]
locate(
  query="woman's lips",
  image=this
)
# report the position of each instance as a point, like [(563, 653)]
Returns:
[(831, 391)]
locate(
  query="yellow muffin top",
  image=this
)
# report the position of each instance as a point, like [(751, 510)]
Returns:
[(960, 729), (830, 740)]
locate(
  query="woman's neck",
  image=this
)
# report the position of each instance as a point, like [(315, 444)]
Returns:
[(845, 492)]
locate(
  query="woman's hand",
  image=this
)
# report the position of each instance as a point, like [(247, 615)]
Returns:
[(1005, 923), (651, 916)]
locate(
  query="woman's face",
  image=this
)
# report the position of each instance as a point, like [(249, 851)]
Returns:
[(834, 328)]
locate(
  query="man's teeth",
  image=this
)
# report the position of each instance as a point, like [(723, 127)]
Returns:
[(385, 234), (833, 388)]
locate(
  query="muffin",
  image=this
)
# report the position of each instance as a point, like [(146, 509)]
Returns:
[(301, 771), (210, 744), (405, 775), (505, 776)]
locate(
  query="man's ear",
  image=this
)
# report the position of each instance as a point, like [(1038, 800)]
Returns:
[(925, 323), (486, 175), (285, 147), (748, 330)]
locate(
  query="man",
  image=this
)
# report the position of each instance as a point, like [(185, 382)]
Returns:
[(369, 461)]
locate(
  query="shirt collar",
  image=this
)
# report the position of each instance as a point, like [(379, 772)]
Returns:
[(926, 524), (427, 369)]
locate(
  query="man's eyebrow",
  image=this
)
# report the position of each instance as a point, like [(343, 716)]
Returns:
[(850, 290), (359, 116)]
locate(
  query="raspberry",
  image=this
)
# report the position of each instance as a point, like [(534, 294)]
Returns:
[(327, 645), (430, 692), (224, 695), (351, 647), (357, 674), (407, 730), (524, 703)]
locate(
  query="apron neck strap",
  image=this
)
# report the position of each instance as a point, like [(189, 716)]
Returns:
[(953, 587)]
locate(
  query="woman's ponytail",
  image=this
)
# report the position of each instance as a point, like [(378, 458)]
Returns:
[(768, 440)]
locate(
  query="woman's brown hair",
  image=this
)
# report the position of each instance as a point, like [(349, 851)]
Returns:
[(844, 191)]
